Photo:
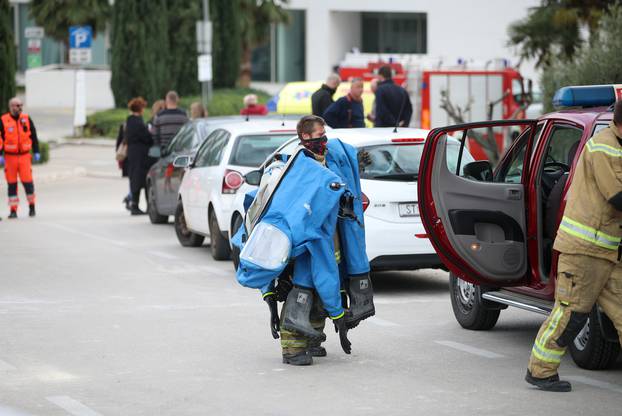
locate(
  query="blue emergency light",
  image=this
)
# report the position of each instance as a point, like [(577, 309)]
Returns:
[(585, 96)]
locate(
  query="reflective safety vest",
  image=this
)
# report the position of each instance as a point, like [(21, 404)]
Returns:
[(16, 134), (590, 224)]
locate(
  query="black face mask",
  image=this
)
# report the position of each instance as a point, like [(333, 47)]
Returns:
[(316, 145)]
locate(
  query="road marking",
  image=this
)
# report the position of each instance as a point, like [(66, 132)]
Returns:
[(382, 322), (88, 235), (164, 255), (596, 383), (72, 406), (471, 350), (4, 366)]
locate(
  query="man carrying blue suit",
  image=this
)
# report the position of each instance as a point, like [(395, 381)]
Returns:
[(305, 230)]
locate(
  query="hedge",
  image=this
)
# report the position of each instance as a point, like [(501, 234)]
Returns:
[(224, 102)]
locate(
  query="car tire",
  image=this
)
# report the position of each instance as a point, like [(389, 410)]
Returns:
[(152, 209), (186, 237), (470, 309), (590, 349), (235, 252), (219, 245)]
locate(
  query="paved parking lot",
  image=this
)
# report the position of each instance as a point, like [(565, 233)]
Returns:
[(106, 314)]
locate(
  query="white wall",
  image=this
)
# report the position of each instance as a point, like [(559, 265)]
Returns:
[(348, 26), (52, 87), (475, 29)]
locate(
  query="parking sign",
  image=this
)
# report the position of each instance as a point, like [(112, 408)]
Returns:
[(80, 37)]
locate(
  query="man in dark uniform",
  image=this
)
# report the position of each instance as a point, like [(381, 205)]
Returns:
[(393, 107), (323, 98)]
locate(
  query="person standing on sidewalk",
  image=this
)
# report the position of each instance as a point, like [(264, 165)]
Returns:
[(19, 137), (168, 122), (138, 142), (322, 98)]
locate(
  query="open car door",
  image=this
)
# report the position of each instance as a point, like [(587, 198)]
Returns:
[(474, 211)]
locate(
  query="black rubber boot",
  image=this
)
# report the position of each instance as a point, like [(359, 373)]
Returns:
[(296, 312), (318, 351), (31, 211), (13, 214), (302, 358), (361, 295), (552, 383)]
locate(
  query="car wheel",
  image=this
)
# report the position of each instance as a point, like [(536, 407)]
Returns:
[(235, 251), (469, 307), (219, 245), (186, 237), (590, 350), (152, 209)]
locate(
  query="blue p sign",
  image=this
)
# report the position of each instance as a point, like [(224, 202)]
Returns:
[(80, 37)]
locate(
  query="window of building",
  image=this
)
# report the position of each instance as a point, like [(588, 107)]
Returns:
[(395, 32)]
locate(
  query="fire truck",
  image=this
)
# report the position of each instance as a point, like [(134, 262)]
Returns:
[(490, 90)]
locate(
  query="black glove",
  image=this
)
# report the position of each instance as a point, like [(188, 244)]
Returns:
[(274, 316), (342, 330), (282, 289)]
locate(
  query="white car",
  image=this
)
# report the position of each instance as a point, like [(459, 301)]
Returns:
[(394, 234), (213, 177)]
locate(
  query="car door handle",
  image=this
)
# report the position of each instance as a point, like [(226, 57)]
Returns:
[(514, 194)]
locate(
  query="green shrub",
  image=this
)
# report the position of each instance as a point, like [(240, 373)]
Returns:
[(223, 103), (44, 149)]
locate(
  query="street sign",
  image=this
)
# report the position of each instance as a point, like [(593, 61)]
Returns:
[(204, 37), (205, 68), (33, 59), (80, 40), (80, 37), (34, 32)]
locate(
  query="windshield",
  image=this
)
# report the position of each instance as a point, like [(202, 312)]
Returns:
[(251, 151)]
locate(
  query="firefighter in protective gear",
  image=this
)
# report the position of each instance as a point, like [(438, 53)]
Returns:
[(588, 240), (19, 137)]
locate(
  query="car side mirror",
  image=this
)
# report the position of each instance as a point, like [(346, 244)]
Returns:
[(253, 177), (480, 170), (182, 162)]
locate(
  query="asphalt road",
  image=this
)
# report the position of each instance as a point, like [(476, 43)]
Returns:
[(105, 314)]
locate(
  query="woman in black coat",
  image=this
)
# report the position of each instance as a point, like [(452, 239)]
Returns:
[(124, 166), (138, 142)]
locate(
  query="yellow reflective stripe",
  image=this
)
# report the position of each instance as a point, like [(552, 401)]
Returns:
[(338, 316), (590, 234), (338, 256), (539, 350), (604, 148), (268, 294)]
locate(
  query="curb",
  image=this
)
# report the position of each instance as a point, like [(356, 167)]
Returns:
[(82, 142)]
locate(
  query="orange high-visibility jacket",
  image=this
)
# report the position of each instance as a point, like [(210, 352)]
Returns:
[(17, 134)]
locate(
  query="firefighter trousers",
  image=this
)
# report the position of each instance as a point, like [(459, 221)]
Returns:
[(19, 166), (582, 281)]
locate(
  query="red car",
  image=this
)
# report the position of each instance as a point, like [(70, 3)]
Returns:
[(493, 226)]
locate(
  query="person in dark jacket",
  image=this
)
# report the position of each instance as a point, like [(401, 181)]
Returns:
[(393, 107), (347, 112), (168, 122), (138, 142), (322, 98), (124, 166)]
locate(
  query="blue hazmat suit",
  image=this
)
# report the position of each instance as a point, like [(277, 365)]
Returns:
[(305, 208)]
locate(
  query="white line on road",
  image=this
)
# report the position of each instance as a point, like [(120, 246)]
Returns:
[(469, 349), (164, 255), (595, 383), (88, 235), (4, 366), (72, 406), (382, 322)]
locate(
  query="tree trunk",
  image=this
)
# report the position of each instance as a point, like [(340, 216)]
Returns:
[(245, 78)]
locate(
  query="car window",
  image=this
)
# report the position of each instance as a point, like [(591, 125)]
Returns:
[(183, 139), (511, 171), (599, 127), (212, 145), (563, 144), (452, 152), (252, 151)]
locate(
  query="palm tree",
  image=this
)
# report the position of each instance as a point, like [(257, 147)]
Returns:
[(256, 17)]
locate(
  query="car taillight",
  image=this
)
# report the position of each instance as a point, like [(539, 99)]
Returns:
[(232, 181), (365, 202)]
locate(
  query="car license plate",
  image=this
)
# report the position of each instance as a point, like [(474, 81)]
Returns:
[(408, 209)]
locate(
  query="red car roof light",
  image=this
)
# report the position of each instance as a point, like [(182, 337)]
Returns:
[(232, 181)]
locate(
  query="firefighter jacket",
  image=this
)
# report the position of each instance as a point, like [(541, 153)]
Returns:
[(17, 134), (591, 223)]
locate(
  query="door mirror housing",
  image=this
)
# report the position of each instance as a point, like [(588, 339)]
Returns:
[(253, 177), (182, 162), (480, 170)]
